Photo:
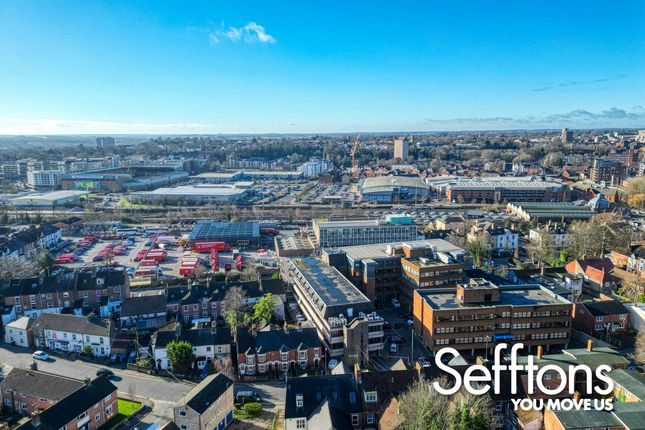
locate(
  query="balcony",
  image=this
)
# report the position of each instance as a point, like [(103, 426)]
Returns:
[(83, 421)]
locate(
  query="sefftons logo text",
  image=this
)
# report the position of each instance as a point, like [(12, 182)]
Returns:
[(477, 380)]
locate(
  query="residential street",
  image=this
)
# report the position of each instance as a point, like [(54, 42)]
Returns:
[(163, 392)]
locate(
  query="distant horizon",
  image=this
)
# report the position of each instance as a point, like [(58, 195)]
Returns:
[(256, 67), (323, 133)]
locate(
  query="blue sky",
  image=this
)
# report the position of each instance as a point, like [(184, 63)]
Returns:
[(312, 66)]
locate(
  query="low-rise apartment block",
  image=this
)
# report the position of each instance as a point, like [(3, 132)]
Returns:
[(29, 391), (87, 408), (344, 317)]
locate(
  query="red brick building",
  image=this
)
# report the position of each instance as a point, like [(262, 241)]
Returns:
[(84, 288), (601, 317), (272, 353)]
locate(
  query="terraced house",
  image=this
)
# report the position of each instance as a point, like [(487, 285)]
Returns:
[(275, 352), (97, 289), (73, 333)]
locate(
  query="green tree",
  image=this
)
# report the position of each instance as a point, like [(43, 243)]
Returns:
[(478, 250), (263, 310), (180, 355)]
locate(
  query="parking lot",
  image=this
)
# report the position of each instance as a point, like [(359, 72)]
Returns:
[(401, 333)]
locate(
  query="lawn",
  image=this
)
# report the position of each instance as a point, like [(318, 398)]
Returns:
[(126, 409)]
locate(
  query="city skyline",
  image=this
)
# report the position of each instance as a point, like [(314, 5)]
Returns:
[(255, 68)]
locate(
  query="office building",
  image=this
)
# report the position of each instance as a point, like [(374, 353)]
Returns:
[(401, 148), (479, 315), (567, 136), (332, 233), (344, 317), (377, 269), (429, 270)]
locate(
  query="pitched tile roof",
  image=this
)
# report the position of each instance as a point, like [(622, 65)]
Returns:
[(206, 392), (74, 324), (40, 384), (274, 340)]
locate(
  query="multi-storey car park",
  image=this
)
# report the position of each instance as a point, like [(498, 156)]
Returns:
[(498, 189), (479, 315), (344, 317)]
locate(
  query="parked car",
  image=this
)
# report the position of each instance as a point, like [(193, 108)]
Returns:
[(396, 303), (243, 397), (424, 361), (410, 322), (105, 372), (394, 348), (40, 355)]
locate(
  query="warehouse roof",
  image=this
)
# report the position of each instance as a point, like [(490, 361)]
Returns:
[(50, 196), (196, 190), (378, 183), (210, 230)]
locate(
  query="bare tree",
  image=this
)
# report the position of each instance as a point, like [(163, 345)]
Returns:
[(639, 350), (234, 302), (225, 367), (12, 267)]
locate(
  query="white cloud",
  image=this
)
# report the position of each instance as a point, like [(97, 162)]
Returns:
[(252, 32), (579, 118)]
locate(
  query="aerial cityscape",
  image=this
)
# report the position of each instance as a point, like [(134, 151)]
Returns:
[(366, 216)]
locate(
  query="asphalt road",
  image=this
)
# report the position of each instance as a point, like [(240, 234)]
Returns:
[(162, 392)]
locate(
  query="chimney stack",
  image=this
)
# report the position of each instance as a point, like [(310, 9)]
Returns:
[(540, 352), (590, 345), (542, 270)]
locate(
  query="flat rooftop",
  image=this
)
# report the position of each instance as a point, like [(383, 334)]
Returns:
[(512, 295), (379, 250), (195, 190), (210, 230), (380, 222), (51, 196), (502, 182), (328, 284), (293, 242), (382, 182)]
